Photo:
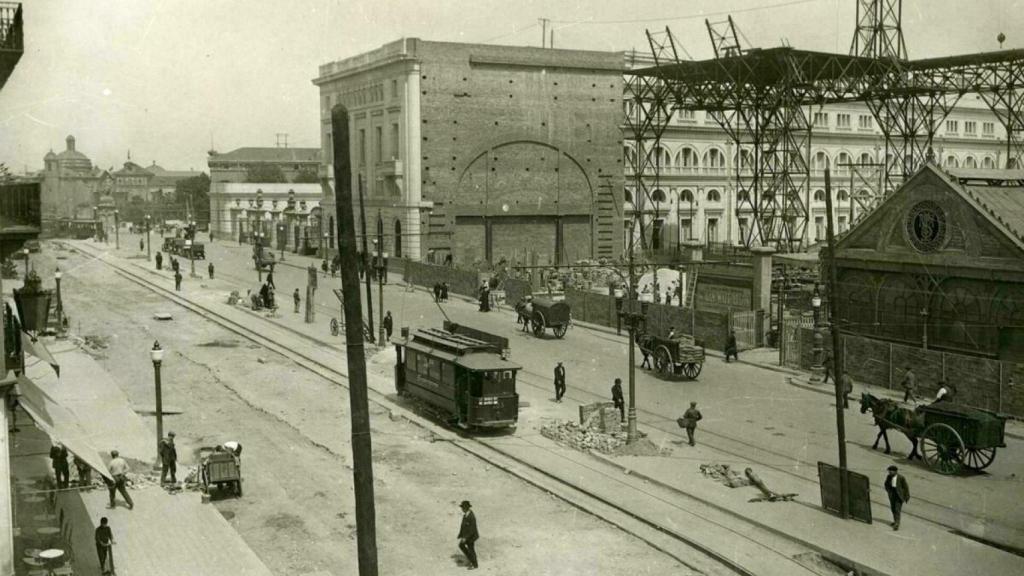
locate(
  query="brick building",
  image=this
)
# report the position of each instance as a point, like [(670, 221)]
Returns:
[(483, 152)]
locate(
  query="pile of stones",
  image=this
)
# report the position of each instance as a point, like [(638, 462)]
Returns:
[(583, 438)]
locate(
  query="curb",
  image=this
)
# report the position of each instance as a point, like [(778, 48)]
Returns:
[(830, 555)]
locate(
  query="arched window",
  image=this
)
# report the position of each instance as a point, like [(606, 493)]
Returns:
[(842, 162), (662, 157), (951, 162), (988, 162), (819, 195), (970, 162), (714, 158), (629, 155), (745, 159), (686, 196), (843, 195), (398, 238), (743, 196), (865, 159), (686, 158), (658, 196), (714, 196), (628, 195), (820, 161)]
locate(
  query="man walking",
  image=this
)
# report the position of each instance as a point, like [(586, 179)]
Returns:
[(119, 470), (159, 260), (142, 245), (847, 381), (689, 421), (389, 325), (209, 268), (59, 461), (168, 459), (444, 291), (559, 382), (827, 364), (617, 398), (297, 300), (909, 385), (437, 292), (177, 279), (104, 543), (899, 494), (731, 349), (468, 534)]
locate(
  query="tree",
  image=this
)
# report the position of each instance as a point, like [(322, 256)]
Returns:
[(306, 176), (196, 191), (261, 173)]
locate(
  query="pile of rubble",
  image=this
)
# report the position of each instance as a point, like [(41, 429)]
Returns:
[(725, 474), (583, 438)]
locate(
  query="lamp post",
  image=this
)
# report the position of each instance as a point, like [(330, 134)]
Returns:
[(817, 370), (281, 238), (259, 255), (96, 221), (24, 252), (57, 274), (148, 241), (117, 231), (924, 328), (157, 356), (380, 257)]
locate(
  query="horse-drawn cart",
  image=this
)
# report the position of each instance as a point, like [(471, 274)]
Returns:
[(543, 313), (673, 356), (956, 436)]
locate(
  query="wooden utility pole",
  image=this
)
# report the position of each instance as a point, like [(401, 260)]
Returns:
[(366, 257), (837, 364), (362, 453), (311, 285), (380, 276)]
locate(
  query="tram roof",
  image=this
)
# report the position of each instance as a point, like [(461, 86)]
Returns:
[(457, 343), (481, 361)]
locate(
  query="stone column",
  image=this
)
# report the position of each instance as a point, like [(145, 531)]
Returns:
[(411, 166), (761, 295)]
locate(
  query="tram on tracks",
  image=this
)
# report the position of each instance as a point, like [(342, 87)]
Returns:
[(463, 374)]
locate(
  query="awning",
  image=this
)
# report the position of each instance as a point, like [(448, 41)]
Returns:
[(36, 348), (59, 423)]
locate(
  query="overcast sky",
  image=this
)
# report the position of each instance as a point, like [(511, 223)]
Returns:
[(163, 78)]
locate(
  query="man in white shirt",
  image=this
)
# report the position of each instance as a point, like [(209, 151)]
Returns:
[(119, 470)]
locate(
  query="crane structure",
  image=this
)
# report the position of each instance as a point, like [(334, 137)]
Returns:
[(763, 98)]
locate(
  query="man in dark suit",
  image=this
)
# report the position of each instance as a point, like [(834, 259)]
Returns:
[(468, 534), (559, 382), (899, 493), (617, 398), (59, 461)]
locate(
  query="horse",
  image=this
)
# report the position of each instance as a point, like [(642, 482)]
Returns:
[(523, 314), (889, 414)]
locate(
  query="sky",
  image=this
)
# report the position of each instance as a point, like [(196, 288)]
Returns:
[(164, 80)]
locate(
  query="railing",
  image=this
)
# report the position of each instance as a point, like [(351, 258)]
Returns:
[(12, 36)]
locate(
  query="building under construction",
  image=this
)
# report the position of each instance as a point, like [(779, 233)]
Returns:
[(764, 99)]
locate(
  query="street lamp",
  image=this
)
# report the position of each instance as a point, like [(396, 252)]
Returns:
[(96, 222), (148, 241), (282, 238), (60, 305), (117, 231), (259, 255), (817, 370), (157, 356), (816, 305)]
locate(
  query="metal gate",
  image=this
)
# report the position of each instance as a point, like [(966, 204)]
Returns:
[(749, 328), (792, 344)]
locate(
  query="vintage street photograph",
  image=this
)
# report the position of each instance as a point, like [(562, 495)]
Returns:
[(524, 288)]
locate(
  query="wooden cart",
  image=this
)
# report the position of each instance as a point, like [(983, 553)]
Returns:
[(673, 356), (550, 314), (956, 436), (220, 469)]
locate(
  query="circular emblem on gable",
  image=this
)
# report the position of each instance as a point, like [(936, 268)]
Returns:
[(926, 226)]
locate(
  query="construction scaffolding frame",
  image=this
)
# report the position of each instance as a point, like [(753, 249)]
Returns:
[(762, 99)]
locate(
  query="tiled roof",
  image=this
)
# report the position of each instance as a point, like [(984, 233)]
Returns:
[(1005, 204), (272, 155)]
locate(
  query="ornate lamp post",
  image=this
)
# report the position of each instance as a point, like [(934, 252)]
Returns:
[(817, 370), (157, 356), (117, 231), (148, 241), (60, 304), (258, 237), (281, 238)]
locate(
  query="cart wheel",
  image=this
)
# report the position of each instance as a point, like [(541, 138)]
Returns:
[(942, 448), (334, 326), (238, 487), (978, 459), (560, 330), (663, 360), (538, 325), (692, 369)]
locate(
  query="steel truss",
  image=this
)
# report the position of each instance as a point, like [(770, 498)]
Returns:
[(761, 99)]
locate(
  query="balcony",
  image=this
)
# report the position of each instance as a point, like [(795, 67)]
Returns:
[(392, 167), (12, 39)]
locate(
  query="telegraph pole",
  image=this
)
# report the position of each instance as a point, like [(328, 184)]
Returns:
[(362, 453), (380, 276), (837, 364), (366, 256)]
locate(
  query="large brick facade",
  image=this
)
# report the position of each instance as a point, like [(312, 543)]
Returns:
[(485, 152)]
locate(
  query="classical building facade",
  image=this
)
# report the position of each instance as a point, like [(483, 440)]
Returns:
[(288, 214), (133, 182), (233, 166), (482, 152), (695, 195), (70, 183)]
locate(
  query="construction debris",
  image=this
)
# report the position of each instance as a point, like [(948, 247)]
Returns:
[(769, 495), (725, 474), (590, 437)]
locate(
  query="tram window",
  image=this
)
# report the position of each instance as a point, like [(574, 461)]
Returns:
[(434, 367), (410, 359), (421, 365), (448, 374)]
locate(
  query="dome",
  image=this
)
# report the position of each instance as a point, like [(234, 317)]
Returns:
[(50, 155)]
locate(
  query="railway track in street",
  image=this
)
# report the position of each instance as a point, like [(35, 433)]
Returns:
[(710, 541)]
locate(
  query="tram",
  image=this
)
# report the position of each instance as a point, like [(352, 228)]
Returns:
[(462, 373)]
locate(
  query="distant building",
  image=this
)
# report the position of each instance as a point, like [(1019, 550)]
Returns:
[(482, 152), (70, 183), (131, 181), (233, 166), (165, 181), (287, 213)]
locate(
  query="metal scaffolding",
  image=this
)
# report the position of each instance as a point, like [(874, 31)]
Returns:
[(762, 99)]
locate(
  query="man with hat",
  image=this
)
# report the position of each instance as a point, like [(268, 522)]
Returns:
[(689, 421), (168, 459), (899, 493), (559, 382), (468, 534), (59, 460)]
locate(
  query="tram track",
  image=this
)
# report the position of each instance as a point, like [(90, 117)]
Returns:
[(668, 540)]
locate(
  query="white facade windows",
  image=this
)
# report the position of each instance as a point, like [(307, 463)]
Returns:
[(394, 142), (865, 159), (686, 196), (970, 128), (686, 228), (630, 157), (714, 196), (970, 162), (843, 162), (819, 162), (662, 157), (843, 196), (745, 159), (842, 223), (988, 162), (819, 227), (394, 88), (714, 159), (687, 116), (952, 126), (988, 128), (712, 230), (378, 147), (843, 121), (744, 227), (362, 147), (865, 122), (658, 196), (821, 119), (951, 162), (819, 195), (686, 158)]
